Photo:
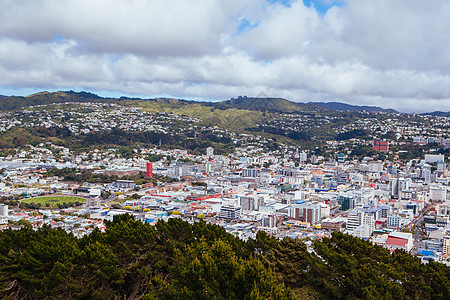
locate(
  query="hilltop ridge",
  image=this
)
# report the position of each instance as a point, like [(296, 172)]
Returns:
[(339, 106), (268, 104), (263, 104)]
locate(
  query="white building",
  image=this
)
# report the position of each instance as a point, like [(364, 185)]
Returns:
[(397, 185), (354, 219), (230, 212), (432, 158), (250, 203), (362, 232), (438, 194), (303, 157), (269, 224), (3, 210), (210, 151), (400, 240), (363, 223), (394, 221), (375, 166), (324, 210)]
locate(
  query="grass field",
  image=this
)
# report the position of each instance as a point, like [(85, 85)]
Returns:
[(54, 200)]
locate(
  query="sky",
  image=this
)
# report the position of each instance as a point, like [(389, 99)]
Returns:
[(393, 54)]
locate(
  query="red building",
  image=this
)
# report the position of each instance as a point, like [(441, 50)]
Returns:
[(202, 197), (379, 145), (149, 172)]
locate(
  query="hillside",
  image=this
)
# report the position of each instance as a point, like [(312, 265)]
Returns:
[(279, 105), (268, 104), (437, 114), (45, 98), (339, 106), (230, 118)]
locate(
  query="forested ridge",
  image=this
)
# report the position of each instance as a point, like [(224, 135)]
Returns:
[(177, 260)]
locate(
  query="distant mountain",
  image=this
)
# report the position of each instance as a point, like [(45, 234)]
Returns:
[(267, 104), (279, 105), (348, 107), (64, 95), (45, 98), (437, 114)]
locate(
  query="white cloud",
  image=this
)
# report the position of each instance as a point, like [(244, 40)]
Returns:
[(387, 53), (145, 27)]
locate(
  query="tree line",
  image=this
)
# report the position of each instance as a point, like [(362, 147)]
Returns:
[(178, 260)]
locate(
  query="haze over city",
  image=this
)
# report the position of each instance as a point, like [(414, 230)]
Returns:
[(392, 54)]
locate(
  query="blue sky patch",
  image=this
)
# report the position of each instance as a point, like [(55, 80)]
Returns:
[(322, 6), (286, 3), (58, 38), (245, 25)]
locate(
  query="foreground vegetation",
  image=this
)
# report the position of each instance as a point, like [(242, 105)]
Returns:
[(177, 260)]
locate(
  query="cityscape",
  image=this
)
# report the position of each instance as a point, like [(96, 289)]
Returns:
[(258, 149), (288, 192)]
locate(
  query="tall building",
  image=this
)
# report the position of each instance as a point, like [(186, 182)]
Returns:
[(3, 210), (446, 246), (354, 219), (311, 213), (426, 175), (250, 173), (394, 221), (347, 202), (362, 223), (210, 151), (296, 211), (369, 221), (306, 212), (149, 169), (230, 212), (378, 212), (269, 221), (438, 194), (269, 224), (185, 169), (397, 185), (303, 157), (249, 203), (375, 166)]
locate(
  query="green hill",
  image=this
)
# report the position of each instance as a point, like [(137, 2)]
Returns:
[(46, 98), (234, 118), (268, 104), (161, 104), (231, 118)]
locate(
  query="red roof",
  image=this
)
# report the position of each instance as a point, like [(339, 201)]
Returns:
[(396, 241)]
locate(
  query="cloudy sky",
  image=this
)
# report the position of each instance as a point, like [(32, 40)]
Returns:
[(387, 53)]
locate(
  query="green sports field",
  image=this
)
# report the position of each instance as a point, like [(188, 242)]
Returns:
[(54, 200)]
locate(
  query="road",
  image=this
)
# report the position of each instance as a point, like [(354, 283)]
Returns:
[(415, 224), (419, 219)]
